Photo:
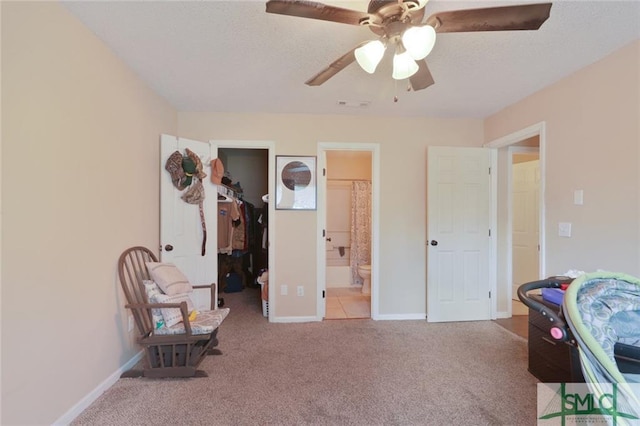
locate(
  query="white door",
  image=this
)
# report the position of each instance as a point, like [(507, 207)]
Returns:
[(525, 233), (458, 244), (181, 233)]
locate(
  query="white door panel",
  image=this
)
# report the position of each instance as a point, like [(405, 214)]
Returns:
[(458, 222), (525, 228), (181, 232)]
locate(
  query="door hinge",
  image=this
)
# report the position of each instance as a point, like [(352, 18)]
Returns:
[(489, 232), (323, 233), (324, 172), (489, 170), (489, 294), (323, 294)]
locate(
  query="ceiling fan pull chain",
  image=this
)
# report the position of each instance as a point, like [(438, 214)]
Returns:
[(395, 86)]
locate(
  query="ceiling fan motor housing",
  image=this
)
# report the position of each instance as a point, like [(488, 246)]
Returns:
[(394, 17)]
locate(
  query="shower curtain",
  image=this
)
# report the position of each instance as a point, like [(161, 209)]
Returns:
[(360, 227)]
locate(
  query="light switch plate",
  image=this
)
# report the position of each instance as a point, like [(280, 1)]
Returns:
[(564, 229), (578, 197)]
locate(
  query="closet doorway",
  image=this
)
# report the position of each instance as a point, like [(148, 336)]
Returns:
[(346, 265), (248, 175)]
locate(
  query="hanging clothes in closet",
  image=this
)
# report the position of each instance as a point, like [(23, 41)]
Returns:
[(235, 240), (239, 232), (228, 213), (230, 276)]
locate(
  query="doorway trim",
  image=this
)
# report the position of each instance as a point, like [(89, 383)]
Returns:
[(539, 130), (270, 146), (374, 149)]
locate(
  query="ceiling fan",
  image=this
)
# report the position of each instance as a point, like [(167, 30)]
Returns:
[(399, 23)]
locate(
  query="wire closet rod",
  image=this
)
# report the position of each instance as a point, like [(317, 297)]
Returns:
[(348, 180)]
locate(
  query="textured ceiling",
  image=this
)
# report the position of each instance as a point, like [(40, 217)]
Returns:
[(231, 56)]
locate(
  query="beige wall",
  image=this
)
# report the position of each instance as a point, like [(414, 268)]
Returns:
[(349, 165), (592, 143), (523, 158), (250, 167), (403, 149), (80, 140)]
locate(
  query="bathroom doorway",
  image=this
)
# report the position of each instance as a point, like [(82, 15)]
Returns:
[(345, 259)]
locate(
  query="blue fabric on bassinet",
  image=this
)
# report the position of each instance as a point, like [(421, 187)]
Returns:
[(599, 301), (627, 326)]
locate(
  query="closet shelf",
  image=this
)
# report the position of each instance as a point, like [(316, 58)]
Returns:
[(229, 192)]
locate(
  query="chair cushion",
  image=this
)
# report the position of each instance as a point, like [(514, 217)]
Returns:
[(173, 316), (169, 278), (152, 289), (206, 322)]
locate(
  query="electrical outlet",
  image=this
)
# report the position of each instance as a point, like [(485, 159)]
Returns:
[(564, 229), (300, 290), (130, 323), (284, 290)]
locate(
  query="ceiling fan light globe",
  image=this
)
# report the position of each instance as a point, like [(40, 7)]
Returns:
[(403, 66), (369, 55), (419, 41)]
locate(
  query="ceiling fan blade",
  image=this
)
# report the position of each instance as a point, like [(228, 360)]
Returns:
[(422, 78), (503, 18), (336, 66), (315, 10)]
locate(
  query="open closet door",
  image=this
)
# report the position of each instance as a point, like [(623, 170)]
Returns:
[(181, 226)]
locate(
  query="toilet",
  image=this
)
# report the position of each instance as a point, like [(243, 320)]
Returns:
[(365, 273)]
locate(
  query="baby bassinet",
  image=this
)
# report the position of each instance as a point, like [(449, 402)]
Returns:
[(600, 315)]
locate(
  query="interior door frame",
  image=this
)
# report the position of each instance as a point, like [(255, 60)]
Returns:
[(270, 146), (539, 130), (374, 149)]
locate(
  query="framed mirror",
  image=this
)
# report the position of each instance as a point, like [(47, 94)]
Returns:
[(295, 182)]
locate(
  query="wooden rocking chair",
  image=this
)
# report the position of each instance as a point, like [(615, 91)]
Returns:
[(175, 351)]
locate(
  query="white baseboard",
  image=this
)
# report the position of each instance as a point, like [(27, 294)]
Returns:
[(503, 314), (389, 317), (85, 402), (400, 317), (296, 319)]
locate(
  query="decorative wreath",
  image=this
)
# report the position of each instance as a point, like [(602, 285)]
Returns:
[(184, 170)]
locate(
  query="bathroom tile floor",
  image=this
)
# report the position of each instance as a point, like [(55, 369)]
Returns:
[(347, 303)]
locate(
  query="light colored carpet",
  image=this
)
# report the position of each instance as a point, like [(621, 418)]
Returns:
[(350, 372)]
